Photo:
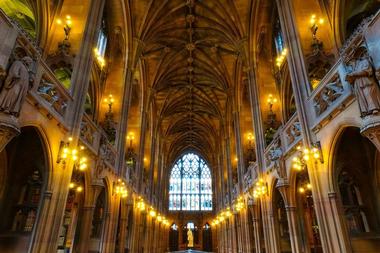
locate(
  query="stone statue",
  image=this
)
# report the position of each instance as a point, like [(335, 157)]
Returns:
[(190, 239), (365, 86), (16, 86)]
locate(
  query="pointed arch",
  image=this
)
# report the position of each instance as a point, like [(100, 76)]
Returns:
[(190, 185)]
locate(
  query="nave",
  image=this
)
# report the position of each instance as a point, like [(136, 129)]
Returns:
[(156, 126)]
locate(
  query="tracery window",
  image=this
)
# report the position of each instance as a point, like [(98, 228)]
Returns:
[(190, 185)]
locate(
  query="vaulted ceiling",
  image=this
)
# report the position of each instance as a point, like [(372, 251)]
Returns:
[(192, 60)]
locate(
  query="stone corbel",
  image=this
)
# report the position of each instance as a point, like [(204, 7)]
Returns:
[(9, 128), (371, 129), (283, 187)]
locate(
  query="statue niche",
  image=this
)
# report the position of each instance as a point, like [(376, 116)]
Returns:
[(16, 85), (361, 76)]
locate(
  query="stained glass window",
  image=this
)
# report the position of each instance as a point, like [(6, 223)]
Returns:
[(190, 185)]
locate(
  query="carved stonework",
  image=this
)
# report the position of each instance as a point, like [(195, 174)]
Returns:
[(318, 62), (276, 156), (49, 92), (9, 128), (106, 152), (362, 77), (16, 86), (326, 96), (86, 132), (293, 132), (371, 129)]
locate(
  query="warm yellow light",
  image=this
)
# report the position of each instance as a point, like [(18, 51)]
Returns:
[(59, 21), (79, 189), (152, 213), (159, 218), (301, 190), (72, 185), (308, 186)]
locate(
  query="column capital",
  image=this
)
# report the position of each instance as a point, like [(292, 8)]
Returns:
[(9, 128), (371, 129)]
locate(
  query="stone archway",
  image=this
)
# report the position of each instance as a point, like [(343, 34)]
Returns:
[(355, 169), (24, 175)]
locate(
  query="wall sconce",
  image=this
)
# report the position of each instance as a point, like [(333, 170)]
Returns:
[(271, 101), (304, 188), (250, 138), (261, 189), (315, 21), (120, 189), (152, 212), (130, 137), (78, 188), (165, 222), (239, 205), (99, 58), (141, 204), (304, 155), (65, 152), (281, 58), (67, 26), (109, 100)]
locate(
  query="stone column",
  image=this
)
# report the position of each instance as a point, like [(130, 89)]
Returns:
[(85, 230), (140, 157), (87, 215), (135, 230), (256, 227), (292, 218), (124, 209), (239, 150), (84, 60)]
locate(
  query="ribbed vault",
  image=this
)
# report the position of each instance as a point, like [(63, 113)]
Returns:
[(192, 58)]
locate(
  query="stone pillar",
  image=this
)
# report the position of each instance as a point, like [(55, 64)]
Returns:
[(81, 75), (87, 215), (239, 150), (124, 209), (135, 230), (291, 214), (85, 230), (140, 157), (256, 227)]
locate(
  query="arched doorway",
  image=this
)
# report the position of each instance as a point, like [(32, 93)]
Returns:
[(173, 238), (24, 176), (281, 222), (356, 180), (207, 238), (71, 227), (98, 220)]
